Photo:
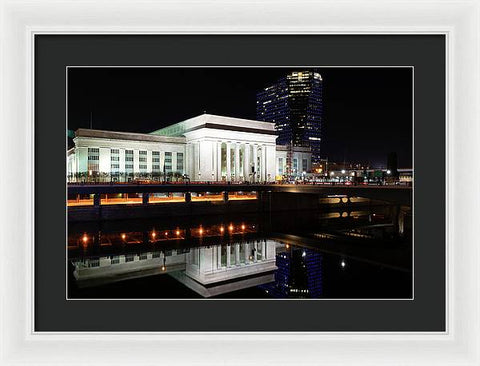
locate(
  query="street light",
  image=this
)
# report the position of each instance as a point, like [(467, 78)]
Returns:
[(389, 171)]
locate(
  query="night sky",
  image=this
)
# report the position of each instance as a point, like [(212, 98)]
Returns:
[(367, 111)]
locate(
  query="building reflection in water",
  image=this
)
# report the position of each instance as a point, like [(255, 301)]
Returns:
[(239, 259), (299, 274), (209, 271)]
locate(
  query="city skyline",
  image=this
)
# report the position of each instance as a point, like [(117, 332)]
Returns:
[(360, 104)]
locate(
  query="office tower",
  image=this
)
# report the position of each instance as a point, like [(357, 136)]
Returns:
[(294, 104)]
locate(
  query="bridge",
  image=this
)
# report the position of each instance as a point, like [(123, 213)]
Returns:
[(391, 193)]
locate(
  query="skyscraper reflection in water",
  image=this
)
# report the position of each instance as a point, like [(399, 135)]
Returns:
[(299, 274)]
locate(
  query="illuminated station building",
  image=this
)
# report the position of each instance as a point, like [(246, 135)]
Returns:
[(204, 148)]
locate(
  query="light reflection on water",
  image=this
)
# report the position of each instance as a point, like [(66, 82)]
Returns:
[(326, 255)]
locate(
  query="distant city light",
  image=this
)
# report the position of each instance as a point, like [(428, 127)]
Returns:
[(343, 263), (123, 236)]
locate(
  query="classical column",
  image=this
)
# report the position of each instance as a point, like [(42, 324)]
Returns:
[(237, 162), (219, 257), (219, 161), (237, 254), (263, 165), (246, 162), (246, 249), (229, 178), (255, 147), (228, 255), (263, 250), (255, 251)]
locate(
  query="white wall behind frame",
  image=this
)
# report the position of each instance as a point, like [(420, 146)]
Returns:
[(460, 19)]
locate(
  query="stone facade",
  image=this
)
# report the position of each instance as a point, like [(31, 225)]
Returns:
[(204, 148)]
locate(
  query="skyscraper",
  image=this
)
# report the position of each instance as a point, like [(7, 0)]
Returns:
[(294, 104)]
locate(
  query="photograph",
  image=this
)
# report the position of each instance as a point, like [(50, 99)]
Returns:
[(252, 183), (239, 183)]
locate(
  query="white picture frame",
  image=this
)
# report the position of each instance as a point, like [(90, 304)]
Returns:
[(459, 21)]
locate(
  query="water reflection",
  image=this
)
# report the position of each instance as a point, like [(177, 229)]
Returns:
[(299, 274), (361, 254)]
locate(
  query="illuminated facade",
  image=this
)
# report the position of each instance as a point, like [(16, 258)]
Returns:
[(294, 104), (204, 148)]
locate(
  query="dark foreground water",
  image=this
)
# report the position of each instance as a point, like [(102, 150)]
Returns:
[(362, 254)]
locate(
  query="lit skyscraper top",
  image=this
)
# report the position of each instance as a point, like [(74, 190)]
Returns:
[(294, 104)]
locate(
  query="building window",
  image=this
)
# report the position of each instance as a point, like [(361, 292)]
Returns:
[(142, 152), (129, 258), (129, 155), (280, 166), (304, 165), (295, 165), (115, 151), (143, 167), (180, 162), (168, 162), (94, 263), (93, 159)]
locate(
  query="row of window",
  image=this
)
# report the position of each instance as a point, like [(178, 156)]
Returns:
[(93, 160), (129, 167)]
